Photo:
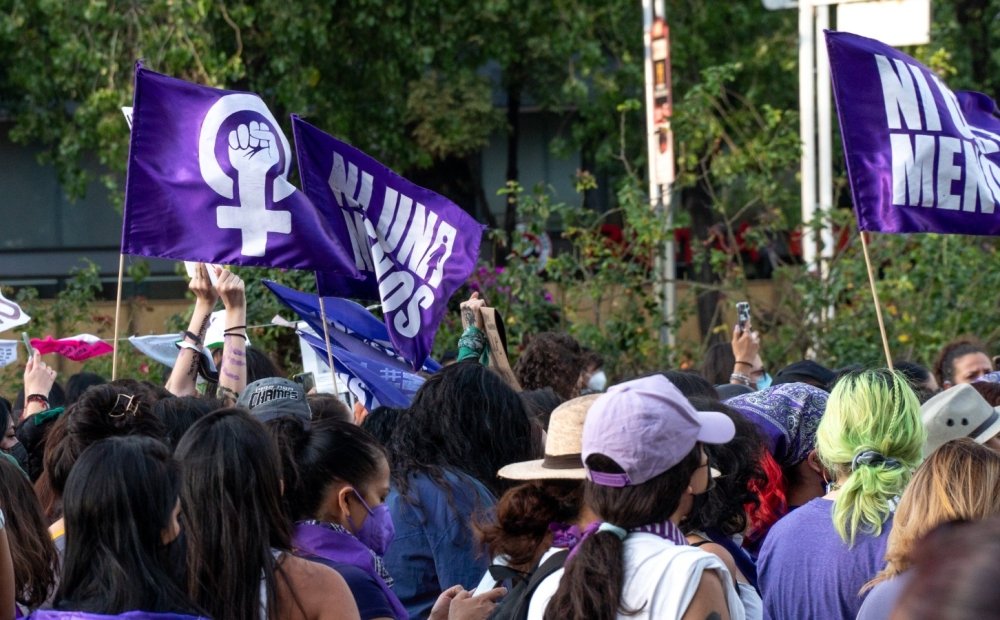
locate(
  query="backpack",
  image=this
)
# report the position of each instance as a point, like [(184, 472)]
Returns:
[(514, 606)]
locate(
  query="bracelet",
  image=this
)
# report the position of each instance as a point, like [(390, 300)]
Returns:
[(740, 378), (243, 336), (184, 344), (744, 363), (39, 398), (229, 329), (194, 337)]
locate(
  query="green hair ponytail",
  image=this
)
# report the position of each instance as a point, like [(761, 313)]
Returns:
[(872, 432)]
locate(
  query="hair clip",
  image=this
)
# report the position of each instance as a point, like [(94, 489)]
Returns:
[(131, 406)]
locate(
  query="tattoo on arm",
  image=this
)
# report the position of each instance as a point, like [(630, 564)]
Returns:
[(231, 375), (204, 326), (468, 317)]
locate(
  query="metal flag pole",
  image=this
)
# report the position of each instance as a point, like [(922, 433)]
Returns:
[(326, 337), (118, 311), (878, 306)]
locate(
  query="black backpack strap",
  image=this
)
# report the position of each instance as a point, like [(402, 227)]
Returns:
[(549, 566), (517, 602), (501, 573)]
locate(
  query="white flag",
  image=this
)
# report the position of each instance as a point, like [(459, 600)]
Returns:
[(8, 352), (164, 349), (11, 315)]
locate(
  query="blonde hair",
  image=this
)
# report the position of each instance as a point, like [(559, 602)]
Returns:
[(958, 481), (870, 413)]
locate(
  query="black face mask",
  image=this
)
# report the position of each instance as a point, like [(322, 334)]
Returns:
[(20, 453)]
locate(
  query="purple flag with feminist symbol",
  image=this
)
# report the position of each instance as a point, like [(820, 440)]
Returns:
[(920, 157), (412, 247), (208, 181)]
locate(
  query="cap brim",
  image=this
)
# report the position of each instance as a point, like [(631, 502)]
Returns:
[(533, 470), (990, 432), (716, 427)]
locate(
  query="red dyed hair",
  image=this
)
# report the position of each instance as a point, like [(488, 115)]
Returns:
[(773, 504)]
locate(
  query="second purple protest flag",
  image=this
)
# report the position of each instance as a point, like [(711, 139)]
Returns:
[(412, 247)]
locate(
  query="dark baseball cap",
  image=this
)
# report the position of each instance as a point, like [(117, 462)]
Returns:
[(274, 397), (806, 371)]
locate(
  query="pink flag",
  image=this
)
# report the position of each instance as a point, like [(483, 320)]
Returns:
[(76, 348)]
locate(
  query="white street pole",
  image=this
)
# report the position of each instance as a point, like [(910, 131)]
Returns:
[(660, 150), (825, 131), (807, 130)]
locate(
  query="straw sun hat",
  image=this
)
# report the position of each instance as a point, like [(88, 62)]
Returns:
[(563, 446)]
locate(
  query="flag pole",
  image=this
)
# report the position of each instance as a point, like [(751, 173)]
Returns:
[(878, 306), (118, 311), (326, 338)]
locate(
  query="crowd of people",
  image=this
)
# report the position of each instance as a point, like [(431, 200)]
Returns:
[(725, 494)]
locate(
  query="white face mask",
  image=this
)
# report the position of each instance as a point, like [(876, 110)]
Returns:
[(598, 381)]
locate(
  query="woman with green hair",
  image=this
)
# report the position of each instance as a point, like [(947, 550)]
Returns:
[(816, 559)]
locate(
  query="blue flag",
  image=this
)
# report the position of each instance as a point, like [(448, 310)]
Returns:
[(369, 378), (351, 326)]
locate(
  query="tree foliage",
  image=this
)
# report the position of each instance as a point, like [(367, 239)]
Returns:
[(422, 86)]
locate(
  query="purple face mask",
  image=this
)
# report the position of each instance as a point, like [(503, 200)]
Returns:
[(377, 531)]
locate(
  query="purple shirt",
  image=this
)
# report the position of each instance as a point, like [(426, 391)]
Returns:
[(805, 570)]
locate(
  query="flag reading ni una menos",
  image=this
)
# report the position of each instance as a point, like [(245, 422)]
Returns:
[(920, 157), (412, 247), (208, 181)]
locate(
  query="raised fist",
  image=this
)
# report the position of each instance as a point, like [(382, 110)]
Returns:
[(253, 149)]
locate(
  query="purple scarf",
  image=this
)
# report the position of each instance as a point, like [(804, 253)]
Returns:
[(567, 536), (324, 541)]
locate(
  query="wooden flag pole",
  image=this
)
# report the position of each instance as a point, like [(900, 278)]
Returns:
[(326, 338), (118, 311), (878, 306)]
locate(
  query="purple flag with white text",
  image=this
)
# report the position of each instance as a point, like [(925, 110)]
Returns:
[(920, 157), (412, 247), (208, 181)]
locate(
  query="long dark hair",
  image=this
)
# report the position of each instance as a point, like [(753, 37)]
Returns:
[(314, 458), (463, 418), (118, 502), (233, 516), (739, 461), (31, 548), (178, 413), (591, 587)]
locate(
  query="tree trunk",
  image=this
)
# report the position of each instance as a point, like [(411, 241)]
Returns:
[(698, 203), (513, 137), (975, 25)]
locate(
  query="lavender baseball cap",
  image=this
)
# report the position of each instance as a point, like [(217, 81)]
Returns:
[(646, 426)]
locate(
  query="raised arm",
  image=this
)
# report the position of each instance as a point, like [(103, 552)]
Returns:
[(183, 378), (233, 370), (38, 380)]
